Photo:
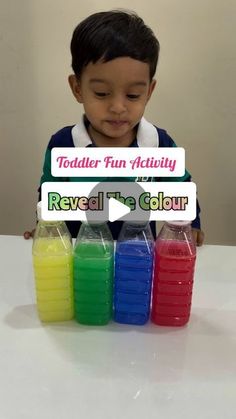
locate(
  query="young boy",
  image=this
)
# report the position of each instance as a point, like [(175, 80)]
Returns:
[(114, 59)]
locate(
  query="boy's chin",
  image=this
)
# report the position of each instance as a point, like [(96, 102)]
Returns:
[(113, 134)]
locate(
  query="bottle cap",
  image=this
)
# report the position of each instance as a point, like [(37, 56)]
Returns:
[(39, 210), (39, 213)]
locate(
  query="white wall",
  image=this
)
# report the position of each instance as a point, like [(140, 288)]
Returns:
[(194, 100)]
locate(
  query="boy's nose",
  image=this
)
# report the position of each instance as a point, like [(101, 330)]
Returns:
[(118, 106)]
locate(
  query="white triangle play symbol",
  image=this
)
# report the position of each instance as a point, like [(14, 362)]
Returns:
[(117, 209)]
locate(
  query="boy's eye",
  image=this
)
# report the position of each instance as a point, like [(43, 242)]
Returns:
[(101, 94), (133, 96)]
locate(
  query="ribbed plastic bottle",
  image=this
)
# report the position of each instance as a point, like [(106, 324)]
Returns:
[(175, 256), (93, 274), (133, 273), (53, 270)]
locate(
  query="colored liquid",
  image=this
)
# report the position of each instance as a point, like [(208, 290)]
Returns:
[(93, 282), (133, 282), (53, 270), (173, 282)]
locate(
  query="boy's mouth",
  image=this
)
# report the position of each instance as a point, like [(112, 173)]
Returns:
[(116, 123)]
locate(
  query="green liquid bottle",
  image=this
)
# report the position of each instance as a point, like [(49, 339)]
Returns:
[(93, 274)]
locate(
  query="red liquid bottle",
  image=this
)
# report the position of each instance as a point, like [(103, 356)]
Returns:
[(175, 256)]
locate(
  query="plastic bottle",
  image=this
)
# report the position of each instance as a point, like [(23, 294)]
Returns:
[(133, 273), (93, 274), (175, 256), (53, 270)]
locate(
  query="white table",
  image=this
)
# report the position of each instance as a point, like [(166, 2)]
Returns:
[(69, 371)]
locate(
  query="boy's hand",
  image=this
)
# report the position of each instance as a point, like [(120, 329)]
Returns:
[(198, 236), (29, 234)]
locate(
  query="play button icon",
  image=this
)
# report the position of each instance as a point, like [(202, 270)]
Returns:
[(117, 210), (120, 202)]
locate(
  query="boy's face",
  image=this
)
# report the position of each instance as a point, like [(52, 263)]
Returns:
[(114, 95)]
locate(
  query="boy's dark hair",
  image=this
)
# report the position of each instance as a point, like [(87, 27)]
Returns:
[(113, 34)]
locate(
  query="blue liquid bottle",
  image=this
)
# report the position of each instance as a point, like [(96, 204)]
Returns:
[(133, 273)]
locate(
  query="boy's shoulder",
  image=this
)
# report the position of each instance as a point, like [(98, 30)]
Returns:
[(164, 139), (72, 136), (62, 138), (150, 135)]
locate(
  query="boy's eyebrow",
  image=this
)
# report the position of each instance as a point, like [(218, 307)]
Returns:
[(135, 83), (138, 83), (97, 81)]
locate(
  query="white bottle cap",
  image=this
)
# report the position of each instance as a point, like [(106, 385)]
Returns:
[(39, 213), (39, 210)]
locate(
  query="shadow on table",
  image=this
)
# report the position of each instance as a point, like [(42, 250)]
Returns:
[(203, 350), (208, 322), (23, 317)]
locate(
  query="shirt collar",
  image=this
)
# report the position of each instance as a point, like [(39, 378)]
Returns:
[(147, 134)]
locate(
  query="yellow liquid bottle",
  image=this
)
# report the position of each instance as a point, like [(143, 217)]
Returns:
[(53, 271)]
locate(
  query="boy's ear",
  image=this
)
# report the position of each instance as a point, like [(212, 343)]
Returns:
[(151, 89), (75, 87)]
